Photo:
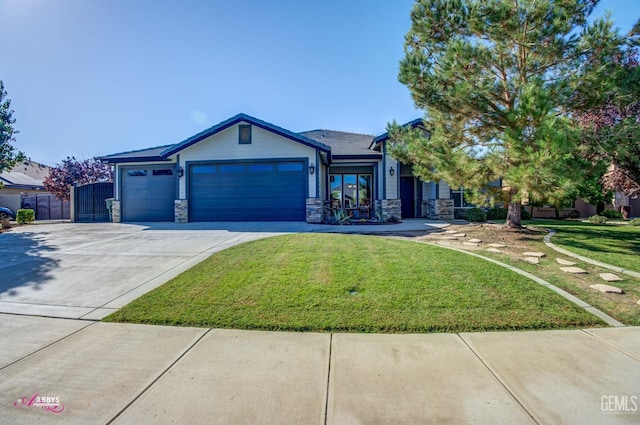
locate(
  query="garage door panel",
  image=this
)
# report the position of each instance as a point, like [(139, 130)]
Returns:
[(247, 191), (148, 193)]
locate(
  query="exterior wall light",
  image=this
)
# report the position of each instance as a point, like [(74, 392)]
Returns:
[(180, 171), (312, 169), (391, 171)]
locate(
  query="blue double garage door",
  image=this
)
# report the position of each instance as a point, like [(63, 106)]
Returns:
[(248, 191)]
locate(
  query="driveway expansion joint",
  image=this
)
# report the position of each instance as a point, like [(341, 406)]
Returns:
[(50, 344)]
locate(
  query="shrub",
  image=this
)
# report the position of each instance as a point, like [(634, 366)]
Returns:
[(476, 215), (459, 213), (635, 222), (597, 219), (25, 216), (611, 214), (497, 213), (338, 216), (524, 214)]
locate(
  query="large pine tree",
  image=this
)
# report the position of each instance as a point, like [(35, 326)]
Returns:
[(497, 80)]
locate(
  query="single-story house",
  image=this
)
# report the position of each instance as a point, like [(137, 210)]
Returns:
[(247, 169), (25, 177)]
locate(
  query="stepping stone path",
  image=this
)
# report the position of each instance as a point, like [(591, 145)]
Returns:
[(475, 240), (496, 250), (532, 260), (534, 254), (565, 262), (497, 245), (460, 235), (450, 232), (470, 244), (449, 238), (574, 270), (606, 288), (610, 277)]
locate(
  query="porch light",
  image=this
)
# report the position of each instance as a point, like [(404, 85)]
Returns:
[(312, 169), (180, 172), (391, 171)]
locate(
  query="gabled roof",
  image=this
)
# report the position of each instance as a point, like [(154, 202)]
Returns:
[(25, 175), (385, 136), (140, 155), (345, 145), (162, 153), (250, 120)]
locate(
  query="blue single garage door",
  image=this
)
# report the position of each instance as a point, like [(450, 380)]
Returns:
[(148, 193), (252, 191)]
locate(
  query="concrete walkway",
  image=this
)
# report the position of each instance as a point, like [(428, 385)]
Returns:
[(131, 374)]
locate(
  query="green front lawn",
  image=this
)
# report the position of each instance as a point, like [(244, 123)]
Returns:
[(618, 245), (325, 282)]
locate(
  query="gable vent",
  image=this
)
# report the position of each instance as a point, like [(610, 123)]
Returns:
[(244, 134)]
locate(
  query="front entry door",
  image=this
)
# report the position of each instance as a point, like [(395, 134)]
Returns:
[(407, 197)]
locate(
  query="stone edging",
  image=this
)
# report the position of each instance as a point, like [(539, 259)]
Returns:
[(547, 241), (591, 309)]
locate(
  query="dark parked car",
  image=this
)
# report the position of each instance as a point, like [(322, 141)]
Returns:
[(6, 213)]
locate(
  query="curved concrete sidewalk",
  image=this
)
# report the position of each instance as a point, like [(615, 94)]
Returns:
[(105, 373), (547, 241)]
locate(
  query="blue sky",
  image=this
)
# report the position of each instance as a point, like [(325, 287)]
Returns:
[(93, 77)]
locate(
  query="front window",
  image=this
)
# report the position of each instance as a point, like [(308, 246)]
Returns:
[(460, 199), (351, 192)]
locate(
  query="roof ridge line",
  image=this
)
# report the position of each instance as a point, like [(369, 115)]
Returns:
[(339, 131)]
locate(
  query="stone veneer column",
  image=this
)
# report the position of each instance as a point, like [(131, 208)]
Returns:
[(424, 209), (115, 211), (439, 209), (389, 209), (181, 210), (315, 210)]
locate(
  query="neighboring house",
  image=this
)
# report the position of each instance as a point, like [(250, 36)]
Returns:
[(246, 169), (25, 177)]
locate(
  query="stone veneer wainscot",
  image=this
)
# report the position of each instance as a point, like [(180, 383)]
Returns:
[(181, 210), (315, 210)]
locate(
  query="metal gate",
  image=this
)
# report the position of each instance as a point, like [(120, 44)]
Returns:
[(46, 206), (90, 202)]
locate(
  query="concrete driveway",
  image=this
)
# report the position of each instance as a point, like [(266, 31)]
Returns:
[(86, 271)]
